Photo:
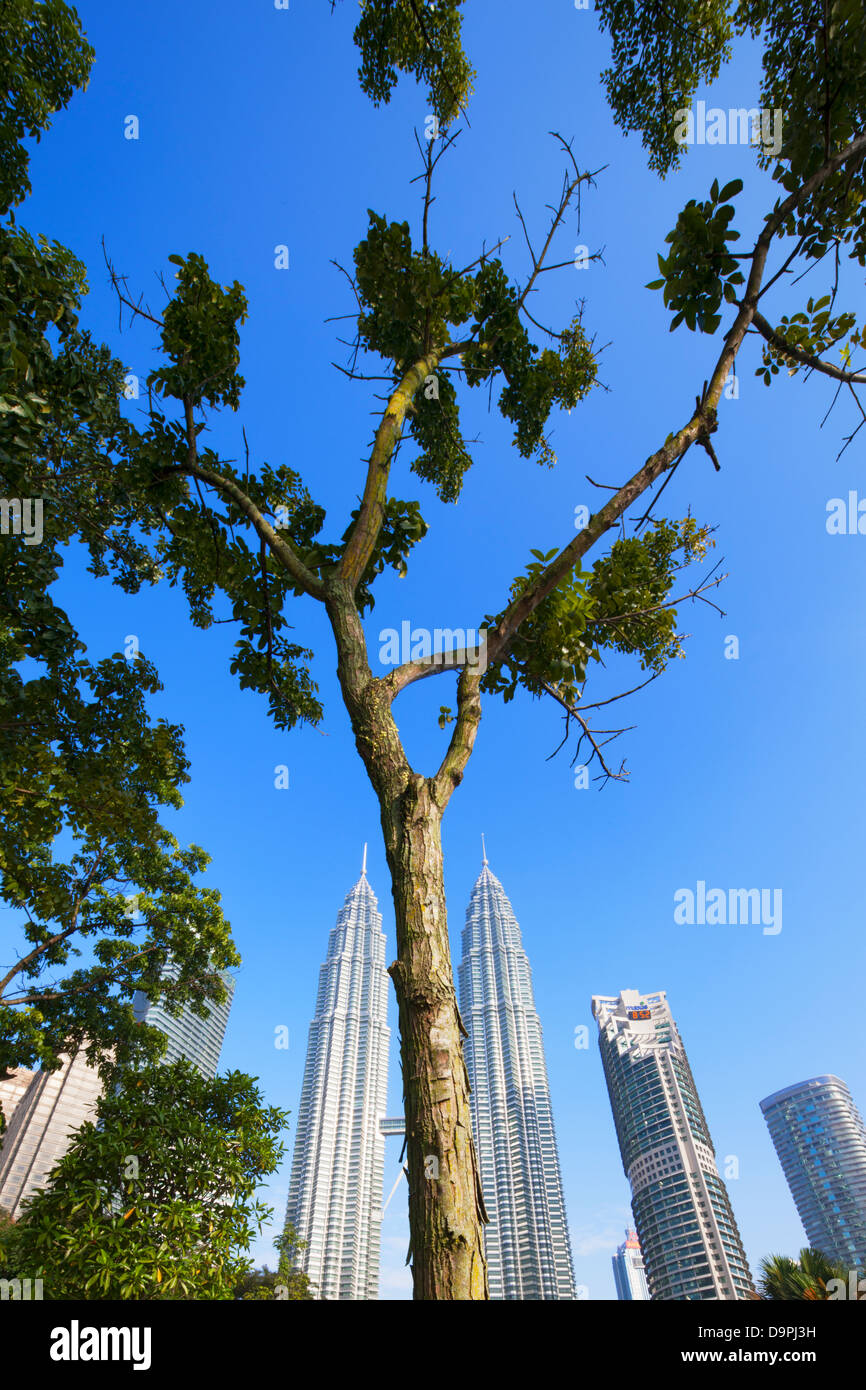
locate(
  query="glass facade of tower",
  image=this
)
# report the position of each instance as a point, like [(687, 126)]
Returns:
[(526, 1243), (690, 1242), (335, 1193), (628, 1270), (190, 1037), (821, 1143)]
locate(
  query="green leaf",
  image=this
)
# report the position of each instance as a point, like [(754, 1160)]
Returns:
[(730, 190)]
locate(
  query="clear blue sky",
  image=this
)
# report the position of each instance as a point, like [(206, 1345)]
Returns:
[(744, 773)]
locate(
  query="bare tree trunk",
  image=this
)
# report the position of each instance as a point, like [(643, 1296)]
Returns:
[(446, 1208)]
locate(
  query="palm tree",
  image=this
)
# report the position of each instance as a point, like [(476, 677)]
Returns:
[(783, 1279)]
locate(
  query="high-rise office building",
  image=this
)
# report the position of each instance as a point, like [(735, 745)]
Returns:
[(526, 1243), (690, 1242), (54, 1105), (12, 1089), (190, 1037), (821, 1143), (628, 1270), (335, 1192)]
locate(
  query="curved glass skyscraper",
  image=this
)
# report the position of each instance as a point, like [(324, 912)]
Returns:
[(691, 1245), (190, 1038), (821, 1142), (335, 1193), (526, 1243)]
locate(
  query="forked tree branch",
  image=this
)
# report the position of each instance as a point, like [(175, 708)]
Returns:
[(433, 665)]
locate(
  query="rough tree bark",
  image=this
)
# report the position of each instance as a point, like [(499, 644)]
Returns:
[(445, 1202), (446, 1207)]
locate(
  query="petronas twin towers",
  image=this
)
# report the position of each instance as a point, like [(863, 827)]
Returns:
[(526, 1244), (335, 1192)]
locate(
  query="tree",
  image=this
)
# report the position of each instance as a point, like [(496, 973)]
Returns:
[(84, 857), (291, 1278), (83, 770), (286, 1282), (251, 535), (784, 1280), (156, 1199), (44, 60), (7, 1238)]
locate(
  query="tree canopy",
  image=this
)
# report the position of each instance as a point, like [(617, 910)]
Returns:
[(156, 1199)]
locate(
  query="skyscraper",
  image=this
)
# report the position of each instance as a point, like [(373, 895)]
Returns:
[(335, 1192), (690, 1242), (190, 1038), (628, 1270), (12, 1089), (821, 1142), (526, 1243), (54, 1105)]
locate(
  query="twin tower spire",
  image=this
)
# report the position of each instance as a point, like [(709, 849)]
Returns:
[(335, 1193)]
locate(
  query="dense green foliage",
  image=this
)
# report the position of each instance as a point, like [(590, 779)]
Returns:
[(411, 303), (396, 36), (43, 59), (699, 270), (622, 604), (784, 1280), (661, 53), (286, 1282), (156, 1199), (82, 790), (7, 1242), (200, 337), (83, 856)]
